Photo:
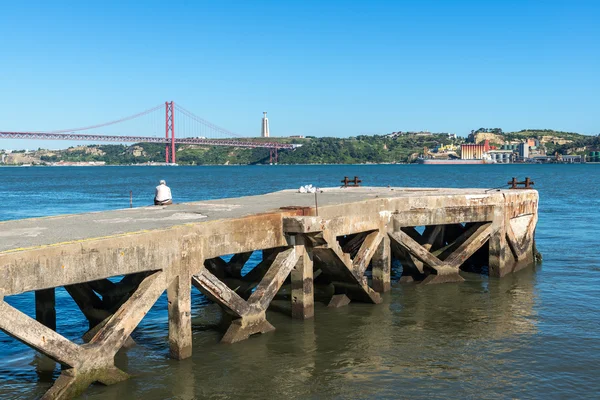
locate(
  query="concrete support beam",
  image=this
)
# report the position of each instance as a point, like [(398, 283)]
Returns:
[(128, 316), (251, 317), (254, 275), (448, 268), (94, 362), (353, 245), (443, 215), (88, 302), (217, 266), (219, 292), (273, 279), (243, 328), (303, 298), (348, 276), (180, 316), (179, 292), (340, 225), (500, 259), (522, 248), (365, 253), (382, 264), (470, 245), (338, 300), (38, 336), (419, 252), (432, 236), (71, 382), (237, 262)]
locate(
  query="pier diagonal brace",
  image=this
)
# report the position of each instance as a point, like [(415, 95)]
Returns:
[(352, 245), (77, 374), (366, 252), (236, 264), (38, 336), (94, 362), (242, 285), (446, 268), (89, 363), (88, 302), (431, 239), (511, 250), (521, 249), (97, 311), (346, 274), (128, 316), (218, 291), (250, 315)]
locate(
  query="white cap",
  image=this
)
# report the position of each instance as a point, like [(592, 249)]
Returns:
[(162, 182)]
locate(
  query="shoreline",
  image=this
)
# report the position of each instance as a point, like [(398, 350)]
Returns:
[(281, 165)]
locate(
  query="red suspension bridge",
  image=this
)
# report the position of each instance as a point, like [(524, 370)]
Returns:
[(192, 130)]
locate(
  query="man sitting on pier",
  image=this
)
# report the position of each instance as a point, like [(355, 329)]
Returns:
[(163, 195)]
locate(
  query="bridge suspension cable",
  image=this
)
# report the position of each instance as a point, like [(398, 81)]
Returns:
[(206, 123), (128, 118)]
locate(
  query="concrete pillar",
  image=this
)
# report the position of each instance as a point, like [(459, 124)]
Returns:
[(303, 303), (180, 304), (45, 307), (180, 317), (499, 256), (382, 264), (45, 313)]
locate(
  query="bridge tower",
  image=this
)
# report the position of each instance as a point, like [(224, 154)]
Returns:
[(273, 157), (170, 128)]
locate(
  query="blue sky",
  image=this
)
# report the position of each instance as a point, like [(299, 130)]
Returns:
[(325, 68)]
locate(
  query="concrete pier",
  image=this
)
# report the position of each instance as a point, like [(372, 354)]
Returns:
[(339, 256)]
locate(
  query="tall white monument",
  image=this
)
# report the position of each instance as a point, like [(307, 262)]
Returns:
[(265, 125)]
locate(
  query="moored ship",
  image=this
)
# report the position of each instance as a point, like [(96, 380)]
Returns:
[(449, 161)]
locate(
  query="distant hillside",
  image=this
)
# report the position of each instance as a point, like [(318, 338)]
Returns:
[(553, 141), (360, 149), (398, 147)]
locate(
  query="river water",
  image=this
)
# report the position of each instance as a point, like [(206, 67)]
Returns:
[(533, 334)]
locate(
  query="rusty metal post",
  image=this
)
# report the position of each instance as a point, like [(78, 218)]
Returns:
[(528, 183)]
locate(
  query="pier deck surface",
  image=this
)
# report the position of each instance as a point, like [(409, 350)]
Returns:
[(29, 233)]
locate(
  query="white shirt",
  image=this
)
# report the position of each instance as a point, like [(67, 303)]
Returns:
[(163, 193)]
